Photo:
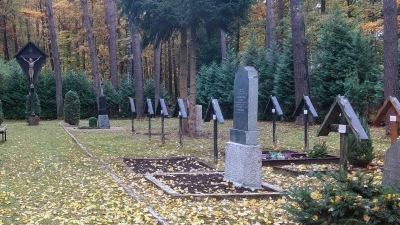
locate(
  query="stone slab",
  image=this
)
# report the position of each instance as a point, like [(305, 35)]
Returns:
[(243, 165), (33, 121), (104, 122), (244, 137), (391, 168), (199, 119)]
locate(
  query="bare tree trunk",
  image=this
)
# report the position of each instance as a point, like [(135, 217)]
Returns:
[(270, 27), (223, 47), (323, 6), (28, 29), (6, 53), (56, 59), (170, 77), (16, 47), (390, 54), (137, 72), (299, 47), (183, 74), (157, 69), (192, 86), (280, 22), (92, 51), (129, 59), (109, 7)]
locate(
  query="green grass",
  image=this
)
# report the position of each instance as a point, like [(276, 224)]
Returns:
[(45, 178)]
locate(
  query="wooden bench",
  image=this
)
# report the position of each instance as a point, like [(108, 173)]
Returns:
[(3, 132)]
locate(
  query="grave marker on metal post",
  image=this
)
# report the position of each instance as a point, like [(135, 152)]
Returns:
[(214, 112), (179, 111), (389, 113), (149, 109), (348, 123), (133, 110), (306, 107), (274, 108), (161, 109)]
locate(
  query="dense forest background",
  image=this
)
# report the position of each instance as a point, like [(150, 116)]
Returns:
[(192, 49)]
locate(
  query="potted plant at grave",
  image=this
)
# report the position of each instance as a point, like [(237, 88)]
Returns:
[(320, 150)]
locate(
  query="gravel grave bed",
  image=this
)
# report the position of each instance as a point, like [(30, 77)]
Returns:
[(179, 164)]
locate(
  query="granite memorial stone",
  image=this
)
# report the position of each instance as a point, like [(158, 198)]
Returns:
[(391, 168), (243, 154)]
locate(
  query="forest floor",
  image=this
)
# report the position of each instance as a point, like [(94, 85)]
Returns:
[(51, 175)]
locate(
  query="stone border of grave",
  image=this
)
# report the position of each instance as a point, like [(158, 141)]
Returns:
[(275, 193)]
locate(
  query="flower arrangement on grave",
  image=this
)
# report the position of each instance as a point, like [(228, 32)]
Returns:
[(320, 150)]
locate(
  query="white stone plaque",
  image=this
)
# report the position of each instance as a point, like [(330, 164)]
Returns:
[(392, 118), (305, 112), (342, 128), (273, 110)]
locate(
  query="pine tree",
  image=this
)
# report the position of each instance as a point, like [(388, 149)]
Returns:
[(360, 153)]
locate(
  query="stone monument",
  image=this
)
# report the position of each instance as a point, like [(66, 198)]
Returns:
[(243, 154), (391, 168), (199, 119), (103, 120)]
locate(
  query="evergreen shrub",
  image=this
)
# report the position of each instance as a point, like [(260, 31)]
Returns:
[(71, 108), (355, 200), (148, 92), (126, 90), (360, 153), (93, 122)]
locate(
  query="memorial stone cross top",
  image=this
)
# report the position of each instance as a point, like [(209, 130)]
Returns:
[(243, 154), (31, 59)]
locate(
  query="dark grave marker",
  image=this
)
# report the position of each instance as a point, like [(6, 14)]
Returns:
[(133, 110), (274, 108), (103, 121), (391, 168), (150, 112), (348, 123), (305, 107), (162, 110), (214, 112), (180, 112), (31, 59), (389, 113)]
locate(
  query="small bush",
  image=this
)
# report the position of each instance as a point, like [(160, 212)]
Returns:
[(360, 153), (320, 150), (93, 122), (357, 199), (71, 108)]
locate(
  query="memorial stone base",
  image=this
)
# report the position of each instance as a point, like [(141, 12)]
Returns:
[(33, 121), (243, 165), (104, 122)]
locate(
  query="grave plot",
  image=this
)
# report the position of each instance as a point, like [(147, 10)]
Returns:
[(322, 168), (205, 184), (166, 165), (288, 157)]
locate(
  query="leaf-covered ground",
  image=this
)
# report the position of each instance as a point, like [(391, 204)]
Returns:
[(45, 178)]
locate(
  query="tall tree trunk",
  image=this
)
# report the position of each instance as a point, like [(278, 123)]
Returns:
[(323, 6), (192, 86), (237, 37), (110, 18), (280, 9), (157, 69), (223, 46), (170, 77), (6, 52), (129, 58), (92, 50), (299, 47), (183, 74), (16, 47), (28, 29), (270, 27), (390, 54), (137, 72), (56, 59)]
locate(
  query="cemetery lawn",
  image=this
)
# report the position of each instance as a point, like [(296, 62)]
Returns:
[(46, 178)]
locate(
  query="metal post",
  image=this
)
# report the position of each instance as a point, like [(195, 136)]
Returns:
[(343, 144), (133, 129), (180, 130), (305, 130), (215, 139), (149, 127), (162, 128), (274, 140)]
